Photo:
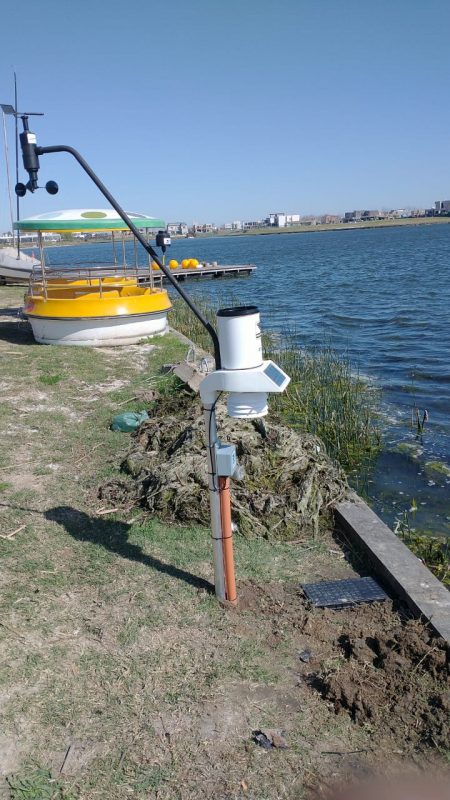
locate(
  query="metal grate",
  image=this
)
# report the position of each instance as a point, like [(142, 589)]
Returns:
[(339, 594)]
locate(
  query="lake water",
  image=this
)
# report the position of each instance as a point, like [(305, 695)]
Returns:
[(382, 296)]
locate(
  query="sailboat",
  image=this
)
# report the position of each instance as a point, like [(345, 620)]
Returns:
[(16, 266)]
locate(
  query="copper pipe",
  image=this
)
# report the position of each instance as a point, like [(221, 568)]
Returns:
[(227, 539)]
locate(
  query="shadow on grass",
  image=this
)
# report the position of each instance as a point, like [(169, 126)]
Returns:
[(113, 536), (16, 331)]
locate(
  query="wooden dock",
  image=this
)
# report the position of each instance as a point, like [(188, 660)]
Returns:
[(211, 271)]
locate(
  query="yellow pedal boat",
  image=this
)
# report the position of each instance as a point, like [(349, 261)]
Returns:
[(94, 305)]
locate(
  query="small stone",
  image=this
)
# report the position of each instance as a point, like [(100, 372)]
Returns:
[(259, 737), (270, 739), (279, 741), (305, 656)]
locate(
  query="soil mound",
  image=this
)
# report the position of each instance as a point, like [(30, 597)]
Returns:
[(388, 672), (397, 678), (289, 482)]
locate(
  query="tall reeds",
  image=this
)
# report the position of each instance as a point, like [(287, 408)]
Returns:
[(328, 398), (325, 396)]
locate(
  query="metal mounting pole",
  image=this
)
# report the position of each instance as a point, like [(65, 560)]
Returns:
[(16, 122), (61, 148), (214, 497)]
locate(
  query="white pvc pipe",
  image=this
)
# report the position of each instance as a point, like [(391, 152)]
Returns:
[(214, 499)]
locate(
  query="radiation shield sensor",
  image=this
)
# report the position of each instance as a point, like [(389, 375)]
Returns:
[(248, 388), (243, 374)]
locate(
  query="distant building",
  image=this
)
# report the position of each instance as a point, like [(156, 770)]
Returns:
[(236, 225), (358, 216), (372, 214), (442, 207), (257, 223), (203, 227), (279, 219), (329, 219), (177, 228), (399, 213)]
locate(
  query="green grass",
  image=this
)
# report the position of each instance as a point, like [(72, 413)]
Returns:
[(38, 784), (50, 380)]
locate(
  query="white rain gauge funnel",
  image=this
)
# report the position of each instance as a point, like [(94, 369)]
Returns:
[(239, 331)]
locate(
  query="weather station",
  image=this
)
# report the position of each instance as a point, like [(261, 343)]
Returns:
[(240, 369)]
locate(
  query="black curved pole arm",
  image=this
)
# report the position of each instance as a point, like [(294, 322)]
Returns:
[(61, 148)]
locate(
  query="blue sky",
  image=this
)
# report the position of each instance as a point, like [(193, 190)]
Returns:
[(213, 111)]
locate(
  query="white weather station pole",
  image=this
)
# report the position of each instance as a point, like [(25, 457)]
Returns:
[(247, 379)]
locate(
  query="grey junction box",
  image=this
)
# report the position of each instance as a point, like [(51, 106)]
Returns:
[(226, 460)]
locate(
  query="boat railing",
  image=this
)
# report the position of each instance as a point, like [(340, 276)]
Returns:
[(103, 278)]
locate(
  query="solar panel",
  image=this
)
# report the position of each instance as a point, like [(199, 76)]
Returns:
[(276, 375), (339, 594)]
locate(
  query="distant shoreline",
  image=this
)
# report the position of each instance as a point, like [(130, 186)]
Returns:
[(333, 226)]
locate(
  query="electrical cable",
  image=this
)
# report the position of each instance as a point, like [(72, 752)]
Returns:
[(211, 446)]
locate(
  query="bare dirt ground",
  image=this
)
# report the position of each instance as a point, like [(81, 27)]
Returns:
[(120, 676)]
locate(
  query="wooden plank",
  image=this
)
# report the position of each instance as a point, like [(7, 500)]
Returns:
[(409, 578), (189, 374)]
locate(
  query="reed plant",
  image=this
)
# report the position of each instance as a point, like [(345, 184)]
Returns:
[(325, 397), (433, 550), (184, 321)]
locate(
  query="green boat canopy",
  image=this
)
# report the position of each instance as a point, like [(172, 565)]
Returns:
[(86, 219)]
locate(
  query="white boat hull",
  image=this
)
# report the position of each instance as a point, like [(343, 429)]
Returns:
[(13, 269), (99, 331)]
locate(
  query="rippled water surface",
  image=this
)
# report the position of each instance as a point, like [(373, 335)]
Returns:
[(383, 297)]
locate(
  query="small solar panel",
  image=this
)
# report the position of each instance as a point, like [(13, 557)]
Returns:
[(275, 374), (339, 594)]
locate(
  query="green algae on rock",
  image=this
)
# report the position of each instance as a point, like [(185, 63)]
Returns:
[(439, 467)]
